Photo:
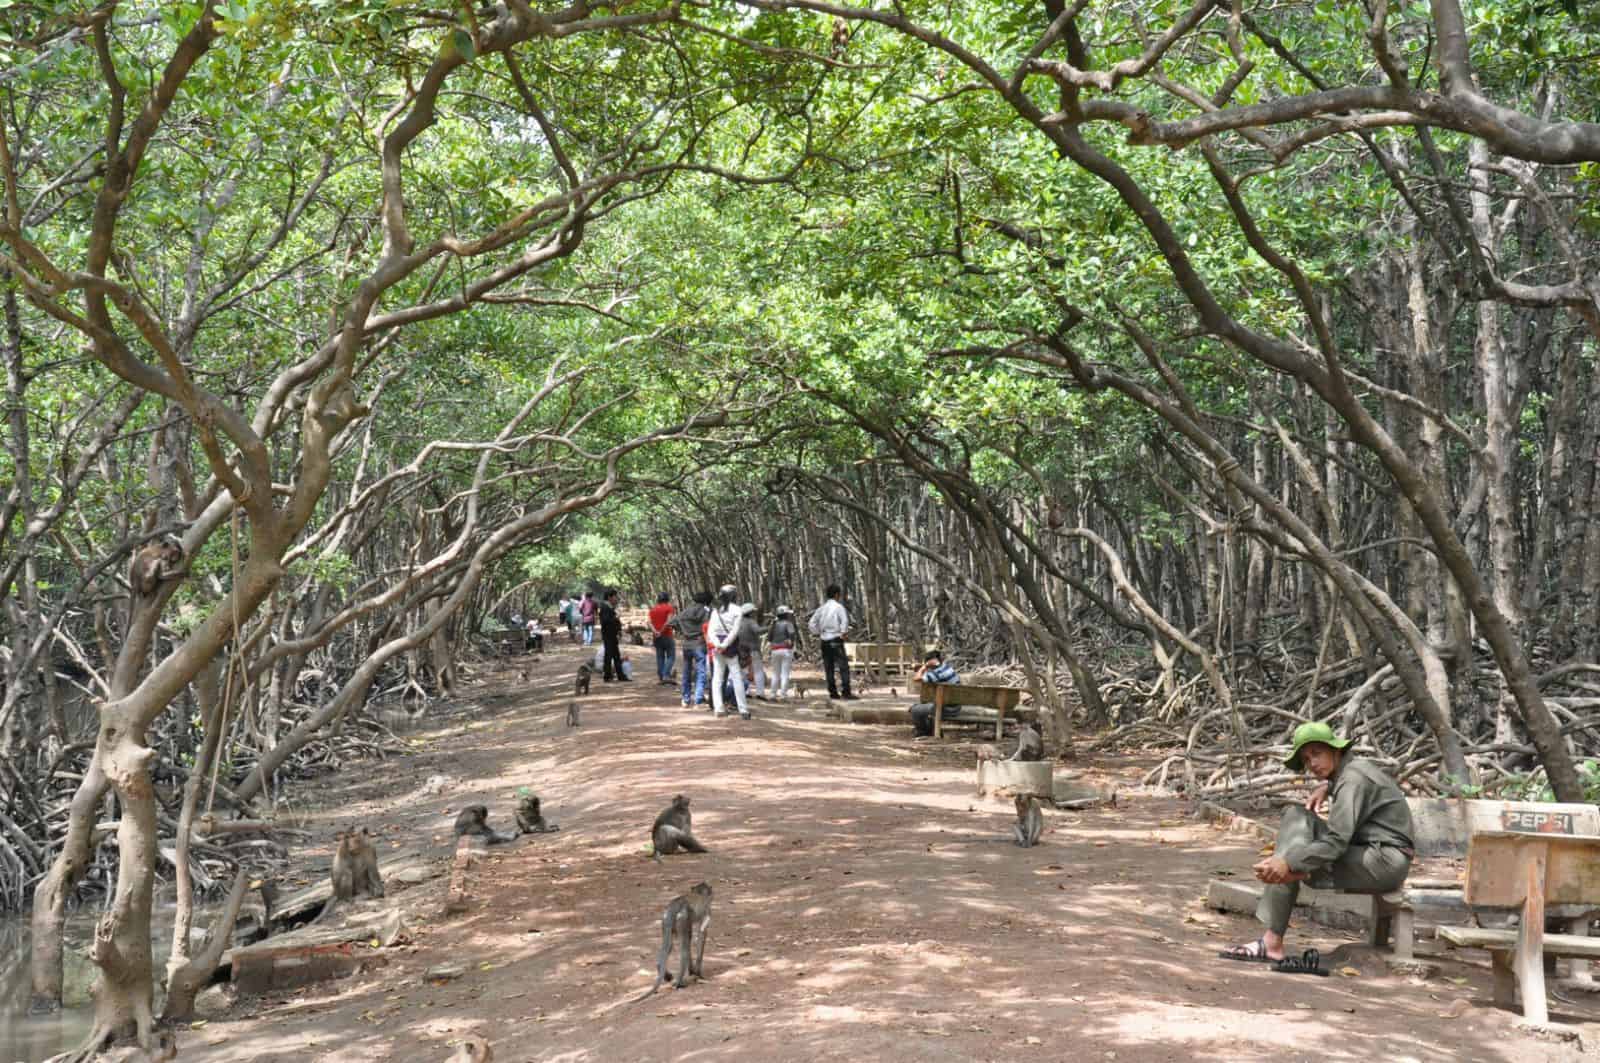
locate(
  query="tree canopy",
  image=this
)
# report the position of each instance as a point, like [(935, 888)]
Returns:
[(1210, 366)]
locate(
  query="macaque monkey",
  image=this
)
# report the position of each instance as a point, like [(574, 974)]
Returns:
[(572, 713), (1055, 517), (840, 38), (671, 831), (355, 866), (1030, 821), (474, 820), (153, 564), (473, 1050), (581, 687), (688, 915), (530, 820), (1030, 746)]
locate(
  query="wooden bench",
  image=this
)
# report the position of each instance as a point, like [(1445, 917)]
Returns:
[(1443, 827), (879, 660), (997, 698), (1530, 871)]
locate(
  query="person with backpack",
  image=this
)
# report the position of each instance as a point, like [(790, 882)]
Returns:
[(750, 633), (690, 622), (784, 640), (722, 645)]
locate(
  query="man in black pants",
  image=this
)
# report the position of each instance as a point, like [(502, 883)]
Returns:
[(611, 636), (829, 623)]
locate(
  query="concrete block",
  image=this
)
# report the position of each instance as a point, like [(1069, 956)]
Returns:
[(1019, 776), (1341, 911), (853, 712)]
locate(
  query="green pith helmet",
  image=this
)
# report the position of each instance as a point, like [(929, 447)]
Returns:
[(1307, 733)]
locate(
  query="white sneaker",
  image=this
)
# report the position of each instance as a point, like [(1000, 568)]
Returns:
[(719, 715)]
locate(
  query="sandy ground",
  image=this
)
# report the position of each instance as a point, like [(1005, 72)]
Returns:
[(868, 906)]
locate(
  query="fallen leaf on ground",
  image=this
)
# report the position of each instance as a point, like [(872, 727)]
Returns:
[(1350, 972)]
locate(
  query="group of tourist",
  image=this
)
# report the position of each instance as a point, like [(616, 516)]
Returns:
[(578, 615), (721, 639), (721, 643)]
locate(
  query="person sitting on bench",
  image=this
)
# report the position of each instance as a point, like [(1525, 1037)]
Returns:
[(934, 670), (1365, 843)]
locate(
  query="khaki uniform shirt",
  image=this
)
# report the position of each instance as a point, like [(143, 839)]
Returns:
[(1366, 808)]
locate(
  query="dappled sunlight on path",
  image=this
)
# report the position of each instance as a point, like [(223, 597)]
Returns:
[(868, 906)]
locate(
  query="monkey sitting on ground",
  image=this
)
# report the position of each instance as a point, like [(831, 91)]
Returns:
[(671, 832), (473, 1050), (355, 866), (572, 714), (689, 914), (355, 870), (153, 564), (474, 820), (581, 686), (1030, 821), (1029, 745), (530, 820)]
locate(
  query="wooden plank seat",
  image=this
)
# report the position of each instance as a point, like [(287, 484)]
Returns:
[(1531, 871), (1442, 827), (997, 698)]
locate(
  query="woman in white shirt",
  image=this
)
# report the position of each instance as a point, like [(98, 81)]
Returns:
[(722, 642)]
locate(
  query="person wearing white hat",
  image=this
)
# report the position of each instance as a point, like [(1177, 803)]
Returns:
[(750, 633), (722, 644), (784, 638)]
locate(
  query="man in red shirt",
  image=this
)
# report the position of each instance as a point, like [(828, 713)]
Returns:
[(661, 615)]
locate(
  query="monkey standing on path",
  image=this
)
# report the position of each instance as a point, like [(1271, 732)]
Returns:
[(581, 687), (671, 831), (530, 820), (572, 714), (689, 914), (1030, 821), (1029, 745), (474, 820)]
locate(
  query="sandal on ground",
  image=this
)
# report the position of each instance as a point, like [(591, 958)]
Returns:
[(1254, 952), (1308, 962)]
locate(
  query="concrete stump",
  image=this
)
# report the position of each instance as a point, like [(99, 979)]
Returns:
[(1019, 776)]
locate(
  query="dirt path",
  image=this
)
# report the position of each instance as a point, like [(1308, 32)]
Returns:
[(867, 907)]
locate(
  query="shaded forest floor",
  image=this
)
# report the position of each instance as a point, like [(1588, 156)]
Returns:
[(868, 906)]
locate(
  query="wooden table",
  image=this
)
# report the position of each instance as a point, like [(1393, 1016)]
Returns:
[(998, 698), (1507, 869)]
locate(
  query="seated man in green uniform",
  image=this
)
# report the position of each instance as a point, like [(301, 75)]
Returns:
[(1365, 843)]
